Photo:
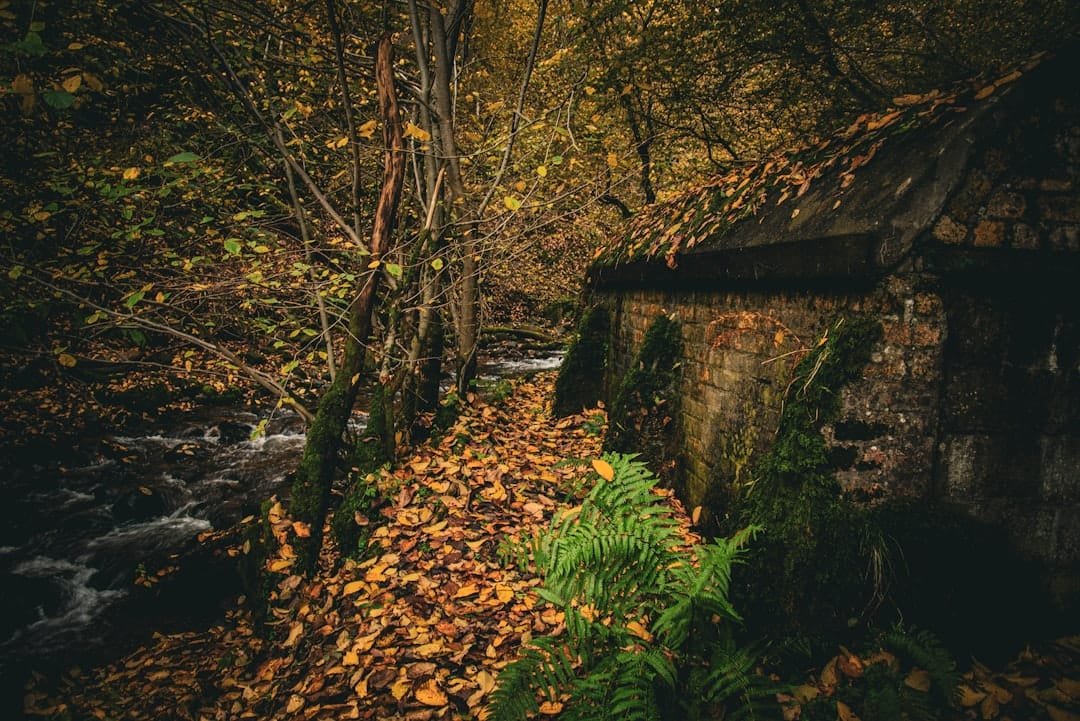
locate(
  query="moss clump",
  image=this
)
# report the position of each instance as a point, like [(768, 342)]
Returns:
[(809, 571), (646, 403), (257, 542), (353, 521), (580, 382), (310, 493)]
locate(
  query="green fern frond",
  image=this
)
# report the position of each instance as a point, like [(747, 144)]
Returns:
[(925, 650), (621, 554)]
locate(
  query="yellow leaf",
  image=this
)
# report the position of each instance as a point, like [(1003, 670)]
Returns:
[(918, 679), (401, 686), (486, 681), (67, 360), (844, 712), (541, 170), (295, 704), (985, 92), (603, 468), (278, 565), (636, 629), (295, 631), (695, 515), (72, 84), (374, 264), (350, 659), (503, 593), (469, 589), (93, 83), (75, 46), (612, 160), (131, 173), (352, 587), (367, 130), (511, 202), (261, 249), (430, 694), (415, 131)]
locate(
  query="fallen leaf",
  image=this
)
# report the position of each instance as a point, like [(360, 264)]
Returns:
[(603, 469), (430, 694), (918, 679), (844, 712)]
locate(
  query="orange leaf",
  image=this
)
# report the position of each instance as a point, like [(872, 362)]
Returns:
[(352, 587), (551, 708), (430, 694), (604, 469)]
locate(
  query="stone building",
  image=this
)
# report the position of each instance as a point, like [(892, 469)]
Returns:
[(953, 219)]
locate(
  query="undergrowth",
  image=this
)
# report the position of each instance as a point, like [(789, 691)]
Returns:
[(649, 627)]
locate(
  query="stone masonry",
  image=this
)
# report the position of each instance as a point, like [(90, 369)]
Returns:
[(971, 268)]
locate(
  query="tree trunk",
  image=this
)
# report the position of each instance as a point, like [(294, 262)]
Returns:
[(311, 490)]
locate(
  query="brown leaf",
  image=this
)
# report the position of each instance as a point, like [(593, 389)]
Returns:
[(918, 679), (969, 696), (844, 712)]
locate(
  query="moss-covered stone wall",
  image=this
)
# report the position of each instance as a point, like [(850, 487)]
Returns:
[(739, 351)]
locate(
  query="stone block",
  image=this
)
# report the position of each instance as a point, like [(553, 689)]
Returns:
[(1060, 208), (989, 234), (1024, 237), (949, 231), (1059, 467), (1006, 204), (1065, 239)]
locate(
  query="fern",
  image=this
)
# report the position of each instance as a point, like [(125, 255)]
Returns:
[(925, 650), (648, 621)]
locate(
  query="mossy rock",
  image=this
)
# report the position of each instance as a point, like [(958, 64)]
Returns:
[(580, 383), (642, 418)]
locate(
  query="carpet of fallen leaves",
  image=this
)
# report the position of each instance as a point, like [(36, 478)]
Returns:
[(420, 629)]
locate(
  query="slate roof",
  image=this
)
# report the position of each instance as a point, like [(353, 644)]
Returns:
[(854, 202)]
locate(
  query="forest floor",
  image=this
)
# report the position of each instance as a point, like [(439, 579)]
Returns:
[(421, 628)]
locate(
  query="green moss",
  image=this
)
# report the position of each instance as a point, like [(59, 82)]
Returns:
[(257, 540), (809, 571), (580, 382), (646, 403), (353, 520), (310, 493)]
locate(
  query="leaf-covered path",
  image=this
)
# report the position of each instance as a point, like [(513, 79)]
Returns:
[(419, 630)]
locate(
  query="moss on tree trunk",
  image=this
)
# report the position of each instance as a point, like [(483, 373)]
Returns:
[(580, 383), (643, 413)]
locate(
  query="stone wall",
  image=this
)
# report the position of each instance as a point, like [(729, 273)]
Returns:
[(740, 350), (972, 394)]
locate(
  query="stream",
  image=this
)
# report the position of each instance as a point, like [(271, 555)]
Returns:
[(75, 536)]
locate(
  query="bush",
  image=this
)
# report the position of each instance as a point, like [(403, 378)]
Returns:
[(649, 628)]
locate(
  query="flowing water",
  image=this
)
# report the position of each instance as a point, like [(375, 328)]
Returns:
[(75, 535)]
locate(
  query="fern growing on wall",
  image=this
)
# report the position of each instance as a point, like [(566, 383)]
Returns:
[(649, 628)]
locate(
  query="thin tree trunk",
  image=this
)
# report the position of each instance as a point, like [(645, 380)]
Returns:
[(346, 102), (467, 316), (311, 489), (305, 238)]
